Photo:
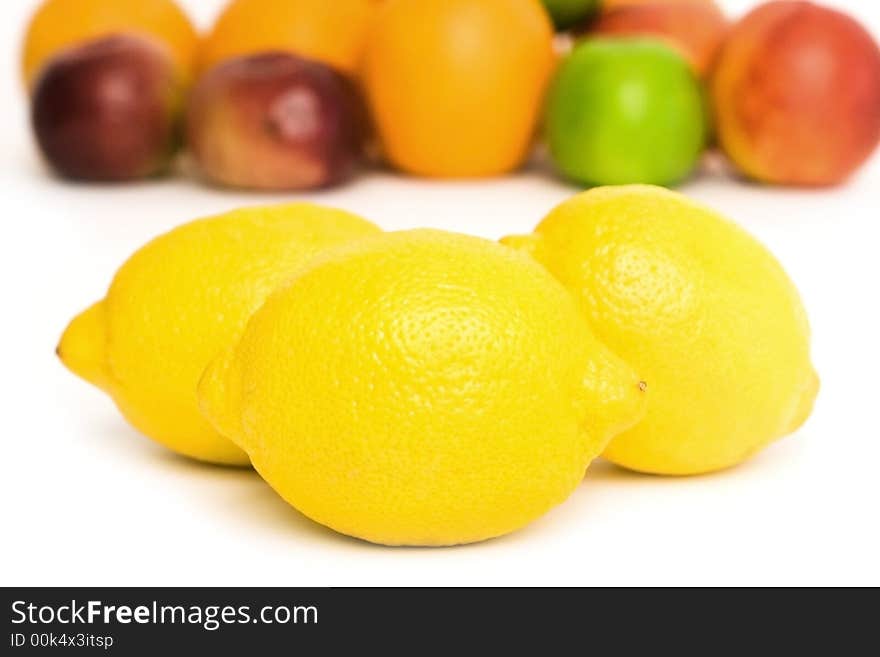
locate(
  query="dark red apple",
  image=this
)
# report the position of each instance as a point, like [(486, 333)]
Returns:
[(108, 110), (276, 121)]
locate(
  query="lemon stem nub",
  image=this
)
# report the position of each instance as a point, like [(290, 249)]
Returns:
[(82, 348)]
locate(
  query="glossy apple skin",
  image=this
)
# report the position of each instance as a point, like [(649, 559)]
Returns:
[(796, 95), (696, 28), (276, 121), (108, 110)]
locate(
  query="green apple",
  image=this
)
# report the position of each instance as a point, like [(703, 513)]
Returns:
[(625, 111), (567, 13)]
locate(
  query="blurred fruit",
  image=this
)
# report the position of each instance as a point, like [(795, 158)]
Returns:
[(464, 398), (59, 24), (108, 110), (456, 85), (566, 13), (608, 5), (276, 121), (695, 27), (703, 311), (625, 111), (177, 301), (331, 31), (797, 94)]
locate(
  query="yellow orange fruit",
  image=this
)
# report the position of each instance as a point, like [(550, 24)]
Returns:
[(456, 86), (58, 24), (332, 32)]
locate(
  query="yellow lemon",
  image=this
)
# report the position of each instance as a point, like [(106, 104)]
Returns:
[(421, 388), (179, 300), (700, 308)]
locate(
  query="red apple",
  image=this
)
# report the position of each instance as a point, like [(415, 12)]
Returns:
[(108, 110), (276, 121)]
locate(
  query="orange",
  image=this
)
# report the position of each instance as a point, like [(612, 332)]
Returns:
[(58, 24), (331, 31), (456, 86)]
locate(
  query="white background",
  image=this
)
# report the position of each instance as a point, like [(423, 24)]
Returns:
[(86, 500)]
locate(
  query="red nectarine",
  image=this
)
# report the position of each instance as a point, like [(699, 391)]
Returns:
[(796, 94)]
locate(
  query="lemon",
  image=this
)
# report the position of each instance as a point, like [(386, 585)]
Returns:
[(421, 388), (700, 308), (179, 300)]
